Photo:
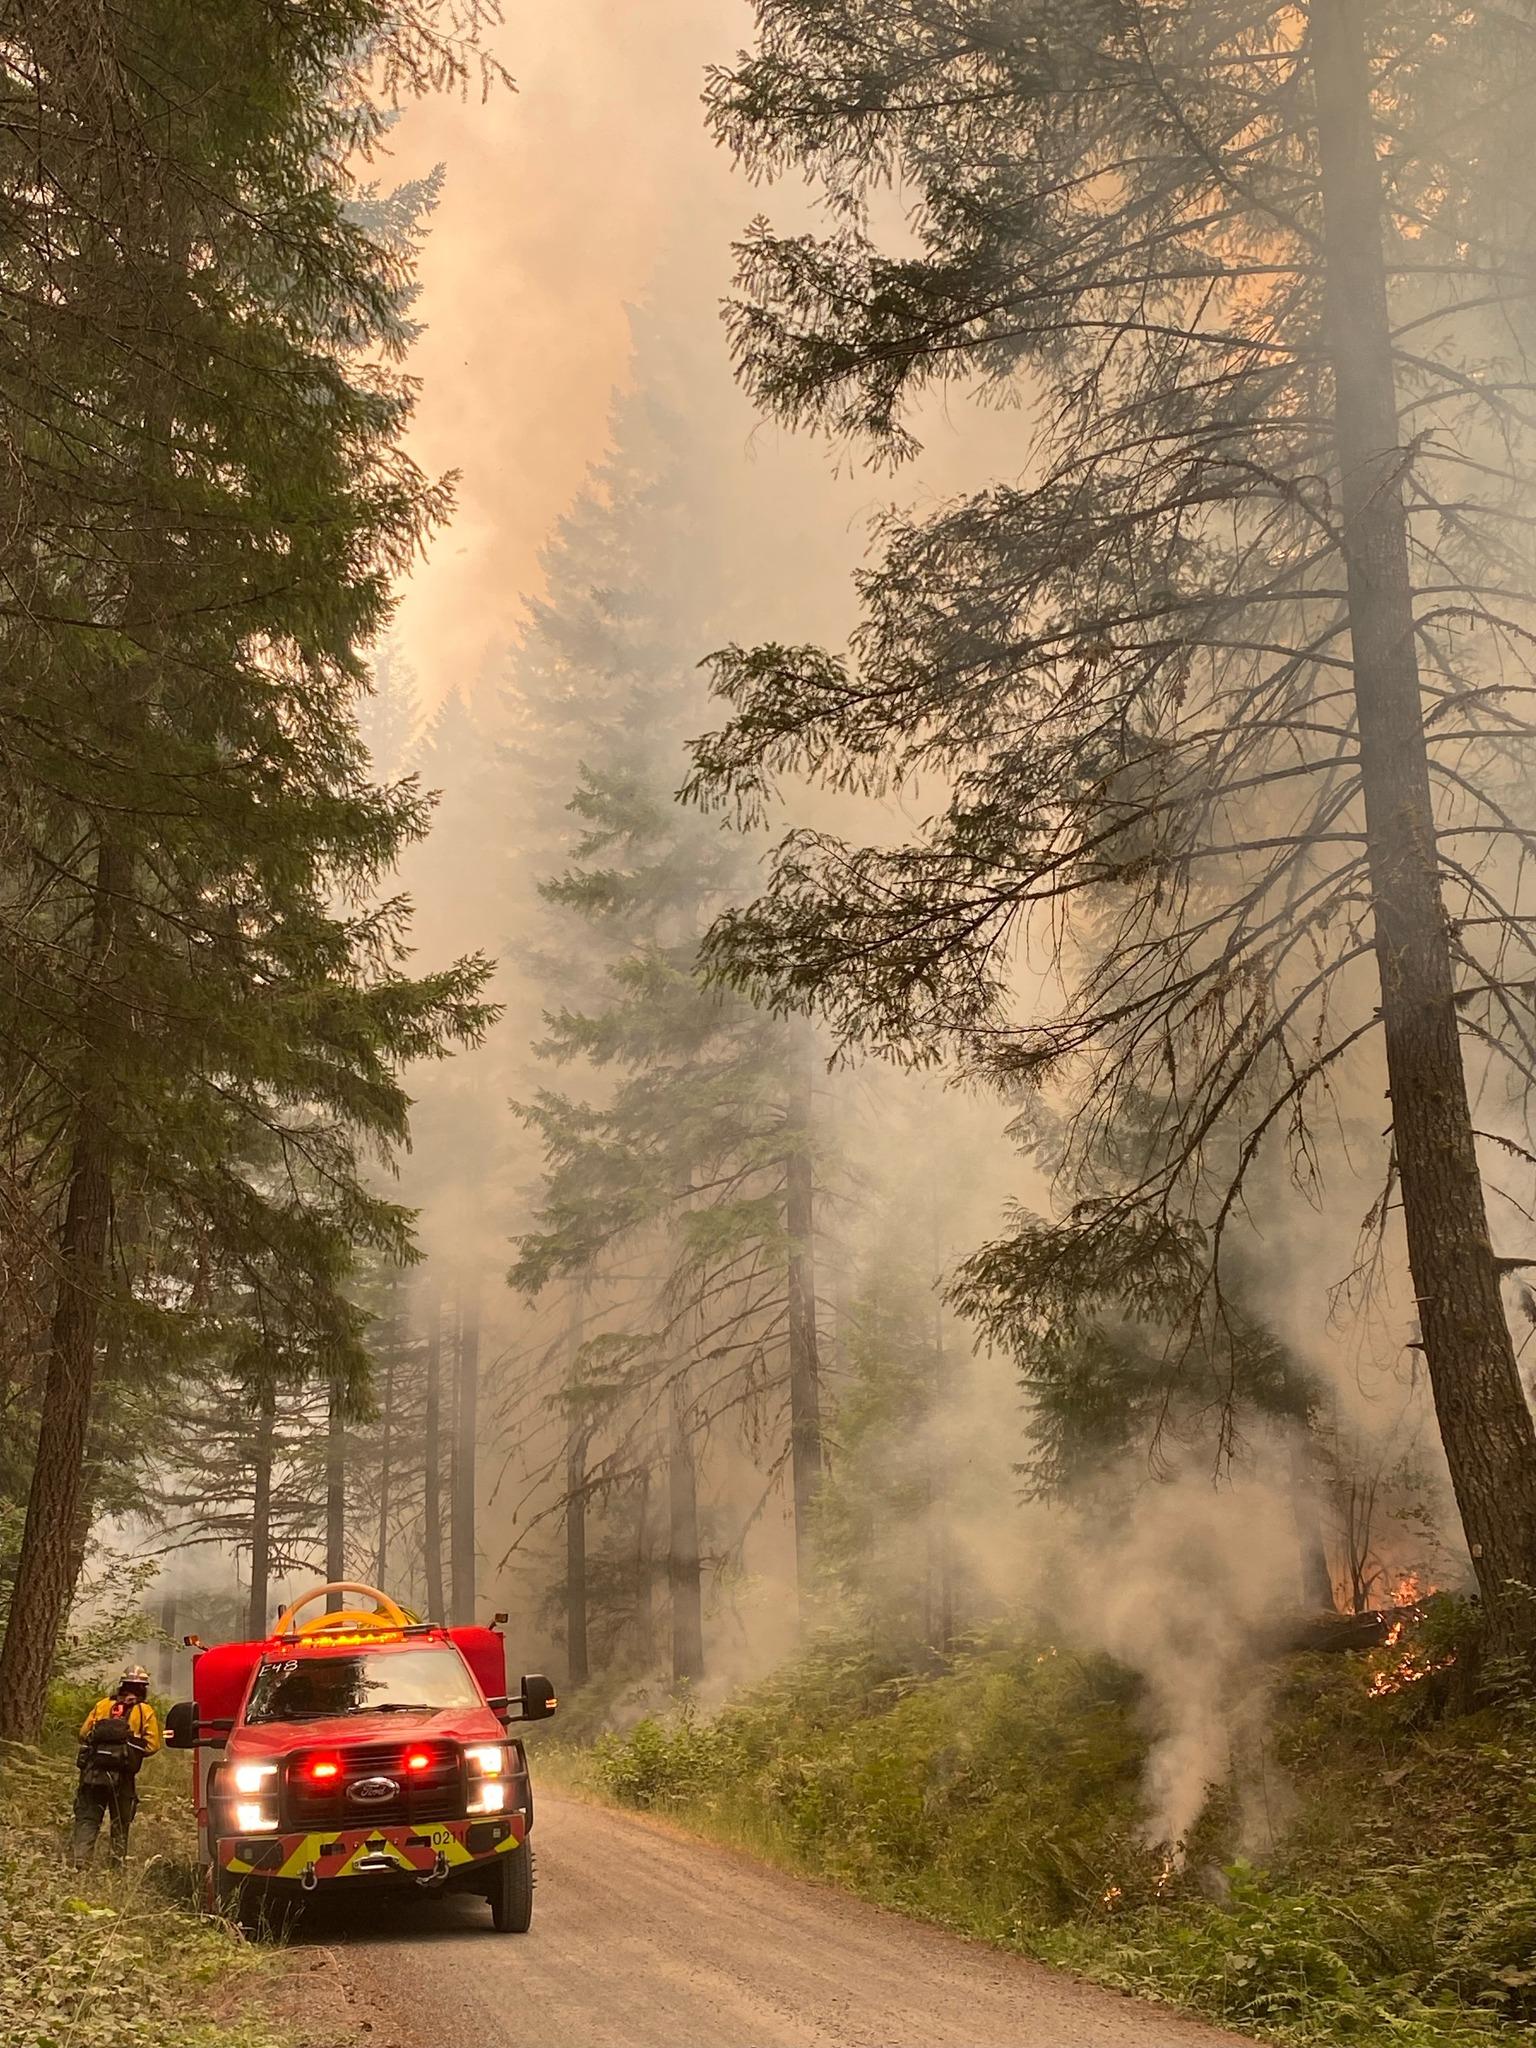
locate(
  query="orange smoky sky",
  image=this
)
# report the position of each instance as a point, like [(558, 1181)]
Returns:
[(557, 205)]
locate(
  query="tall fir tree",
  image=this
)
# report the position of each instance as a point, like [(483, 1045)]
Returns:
[(1235, 687), (204, 1015), (689, 1148), (390, 716)]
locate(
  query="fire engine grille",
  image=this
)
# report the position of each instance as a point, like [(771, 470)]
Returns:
[(375, 1785)]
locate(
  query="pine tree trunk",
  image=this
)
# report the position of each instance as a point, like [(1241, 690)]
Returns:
[(1316, 1579), (683, 1578), (940, 1574), (386, 1451), (335, 1492), (107, 1381), (166, 1660), (261, 1513), (466, 1426), (804, 1353), (432, 1464), (577, 1669), (1485, 1425), (80, 1541), (645, 1572), (575, 1504), (45, 1573)]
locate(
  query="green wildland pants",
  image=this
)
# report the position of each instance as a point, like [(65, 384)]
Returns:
[(117, 1801)]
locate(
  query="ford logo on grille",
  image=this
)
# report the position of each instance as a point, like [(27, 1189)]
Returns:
[(373, 1791)]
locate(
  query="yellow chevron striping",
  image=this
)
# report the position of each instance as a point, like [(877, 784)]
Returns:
[(449, 1845)]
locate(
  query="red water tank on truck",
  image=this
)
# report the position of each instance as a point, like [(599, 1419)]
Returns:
[(362, 1748)]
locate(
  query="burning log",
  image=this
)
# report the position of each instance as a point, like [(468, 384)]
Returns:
[(1334, 1634)]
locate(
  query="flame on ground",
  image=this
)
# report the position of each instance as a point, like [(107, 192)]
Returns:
[(1415, 1665), (1413, 1668)]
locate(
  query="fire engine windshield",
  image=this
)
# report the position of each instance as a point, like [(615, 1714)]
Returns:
[(312, 1688)]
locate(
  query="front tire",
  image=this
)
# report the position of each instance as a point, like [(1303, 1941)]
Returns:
[(511, 1891)]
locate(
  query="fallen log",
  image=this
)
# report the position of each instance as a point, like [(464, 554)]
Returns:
[(1334, 1634)]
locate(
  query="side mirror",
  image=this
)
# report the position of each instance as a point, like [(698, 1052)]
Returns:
[(181, 1725), (539, 1700)]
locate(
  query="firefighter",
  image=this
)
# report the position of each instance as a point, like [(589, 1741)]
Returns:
[(116, 1736)]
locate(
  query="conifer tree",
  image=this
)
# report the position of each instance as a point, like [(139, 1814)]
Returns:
[(335, 1487), (688, 1151), (434, 1585), (462, 1531), (201, 1004), (386, 1468), (241, 1467), (390, 717), (578, 1444), (1235, 687)]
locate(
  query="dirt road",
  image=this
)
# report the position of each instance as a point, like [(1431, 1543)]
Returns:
[(643, 1938)]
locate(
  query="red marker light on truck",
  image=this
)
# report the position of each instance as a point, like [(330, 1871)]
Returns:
[(323, 1767), (418, 1760)]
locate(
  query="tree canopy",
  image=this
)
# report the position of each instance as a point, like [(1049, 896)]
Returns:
[(206, 1010), (1228, 699)]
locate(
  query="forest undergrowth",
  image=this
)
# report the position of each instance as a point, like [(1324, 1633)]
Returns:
[(1367, 1875), (103, 1958)]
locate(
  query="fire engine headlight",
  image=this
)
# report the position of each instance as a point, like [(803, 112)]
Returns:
[(490, 1762), (252, 1818), (490, 1798), (254, 1777)]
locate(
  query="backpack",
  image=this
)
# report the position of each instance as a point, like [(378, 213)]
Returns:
[(107, 1756)]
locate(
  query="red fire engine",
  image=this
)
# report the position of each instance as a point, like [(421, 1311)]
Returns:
[(362, 1746)]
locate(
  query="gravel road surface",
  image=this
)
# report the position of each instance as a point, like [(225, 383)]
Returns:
[(646, 1938)]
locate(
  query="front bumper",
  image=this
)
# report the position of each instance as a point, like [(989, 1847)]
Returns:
[(427, 1849)]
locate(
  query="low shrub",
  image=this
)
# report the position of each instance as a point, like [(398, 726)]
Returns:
[(1002, 1797), (106, 1958)]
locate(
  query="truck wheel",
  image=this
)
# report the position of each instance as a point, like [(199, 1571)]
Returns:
[(512, 1891)]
